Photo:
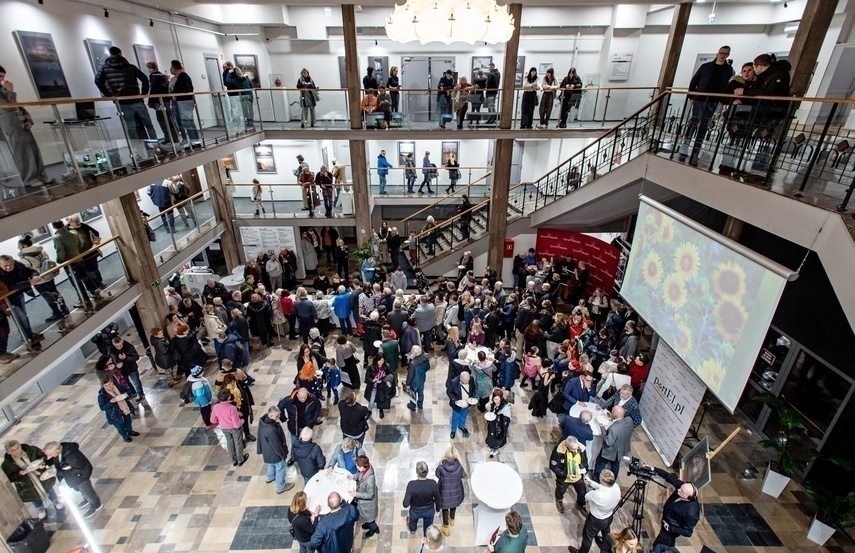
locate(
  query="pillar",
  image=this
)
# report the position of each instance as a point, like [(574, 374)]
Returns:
[(808, 40), (498, 222), (123, 216), (358, 152), (12, 510), (679, 24), (224, 210)]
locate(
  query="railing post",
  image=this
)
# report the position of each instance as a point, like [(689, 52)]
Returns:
[(272, 203), (127, 135), (606, 107), (63, 132), (256, 103), (199, 119), (842, 206), (11, 309), (785, 125), (681, 128), (632, 138), (721, 133), (816, 151)]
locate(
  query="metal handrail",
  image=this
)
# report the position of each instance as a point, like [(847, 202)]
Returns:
[(455, 193), (452, 219), (179, 204)]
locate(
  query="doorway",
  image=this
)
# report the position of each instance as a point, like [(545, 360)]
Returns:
[(422, 73), (215, 82)]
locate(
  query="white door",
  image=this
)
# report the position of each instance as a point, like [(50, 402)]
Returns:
[(415, 75), (215, 82)]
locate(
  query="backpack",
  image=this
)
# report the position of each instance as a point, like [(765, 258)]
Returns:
[(433, 171), (186, 393), (46, 265), (202, 395)]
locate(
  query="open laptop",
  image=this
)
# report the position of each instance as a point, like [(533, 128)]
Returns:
[(85, 111)]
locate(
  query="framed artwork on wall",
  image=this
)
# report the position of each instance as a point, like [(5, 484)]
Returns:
[(41, 234), (99, 51), (381, 68), (43, 63), (542, 68), (230, 162), (145, 53), (91, 213), (405, 148), (520, 72), (480, 62), (264, 162), (449, 148), (248, 63)]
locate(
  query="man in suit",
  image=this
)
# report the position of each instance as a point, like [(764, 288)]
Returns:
[(617, 440), (624, 399), (461, 388), (579, 390), (579, 428), (74, 469), (334, 532)]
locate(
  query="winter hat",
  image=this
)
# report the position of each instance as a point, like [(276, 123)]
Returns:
[(196, 371)]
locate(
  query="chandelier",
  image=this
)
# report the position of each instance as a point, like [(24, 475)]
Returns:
[(450, 21)]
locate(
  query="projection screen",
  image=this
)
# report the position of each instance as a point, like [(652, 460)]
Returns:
[(710, 298)]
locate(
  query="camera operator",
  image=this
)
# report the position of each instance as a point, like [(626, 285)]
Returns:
[(681, 511)]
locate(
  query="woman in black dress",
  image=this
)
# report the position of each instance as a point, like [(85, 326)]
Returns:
[(531, 84), (497, 429)]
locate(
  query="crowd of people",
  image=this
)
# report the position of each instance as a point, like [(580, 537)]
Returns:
[(544, 337)]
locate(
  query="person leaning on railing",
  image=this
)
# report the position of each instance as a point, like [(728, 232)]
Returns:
[(34, 257), (15, 130), (19, 279)]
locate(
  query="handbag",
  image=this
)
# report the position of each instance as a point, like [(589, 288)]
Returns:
[(46, 265)]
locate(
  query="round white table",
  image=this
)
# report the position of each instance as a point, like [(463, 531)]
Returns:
[(594, 446), (238, 270), (232, 282), (321, 485), (497, 487), (472, 353)]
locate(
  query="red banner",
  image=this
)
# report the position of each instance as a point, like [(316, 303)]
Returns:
[(601, 259)]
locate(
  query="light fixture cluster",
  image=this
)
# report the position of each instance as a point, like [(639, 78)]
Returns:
[(450, 21)]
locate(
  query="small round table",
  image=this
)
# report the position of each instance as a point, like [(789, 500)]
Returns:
[(238, 270), (322, 484), (472, 354), (497, 487), (232, 282)]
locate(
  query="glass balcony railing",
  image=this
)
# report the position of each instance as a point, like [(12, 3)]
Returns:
[(58, 301), (180, 225), (290, 200), (476, 180)]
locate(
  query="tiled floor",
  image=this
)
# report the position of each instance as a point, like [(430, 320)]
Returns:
[(174, 489)]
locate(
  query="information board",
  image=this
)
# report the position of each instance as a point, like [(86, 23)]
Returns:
[(266, 239)]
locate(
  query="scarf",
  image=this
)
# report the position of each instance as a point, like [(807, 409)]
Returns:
[(24, 462), (117, 378), (111, 389), (380, 376)]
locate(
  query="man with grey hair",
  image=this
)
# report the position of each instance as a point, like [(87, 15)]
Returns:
[(220, 311), (306, 313), (19, 278), (499, 293), (74, 469), (33, 484), (625, 400), (569, 463), (580, 427), (617, 442), (335, 530), (308, 455), (422, 498), (273, 448), (459, 391), (416, 377), (397, 317), (341, 305), (425, 315)]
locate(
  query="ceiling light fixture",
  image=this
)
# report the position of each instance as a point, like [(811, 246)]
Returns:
[(450, 21)]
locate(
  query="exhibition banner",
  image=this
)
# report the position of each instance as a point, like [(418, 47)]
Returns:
[(601, 259), (670, 400)]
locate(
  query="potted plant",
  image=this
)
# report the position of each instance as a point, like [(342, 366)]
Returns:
[(833, 511), (363, 252), (788, 440)]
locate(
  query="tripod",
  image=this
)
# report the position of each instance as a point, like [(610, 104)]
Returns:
[(638, 493)]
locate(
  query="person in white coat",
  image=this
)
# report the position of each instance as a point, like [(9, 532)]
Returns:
[(310, 256), (274, 272)]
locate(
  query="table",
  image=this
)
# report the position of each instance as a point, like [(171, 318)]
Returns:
[(497, 487), (232, 282), (594, 446), (238, 270), (321, 485), (472, 354)]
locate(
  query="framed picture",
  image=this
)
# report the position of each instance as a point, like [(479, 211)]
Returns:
[(99, 51), (520, 72), (145, 53), (405, 148), (248, 63), (480, 62), (41, 234), (381, 68), (90, 214), (342, 71), (43, 63), (264, 162), (542, 68), (230, 162), (449, 148)]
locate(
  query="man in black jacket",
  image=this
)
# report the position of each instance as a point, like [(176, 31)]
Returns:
[(75, 469), (125, 356), (711, 77), (118, 77), (273, 449), (308, 455), (184, 102), (162, 106), (301, 411), (494, 80), (443, 98), (19, 279), (681, 511)]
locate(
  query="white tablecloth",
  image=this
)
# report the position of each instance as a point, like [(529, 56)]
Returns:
[(594, 446), (323, 484), (498, 488), (238, 270), (472, 354), (232, 282)]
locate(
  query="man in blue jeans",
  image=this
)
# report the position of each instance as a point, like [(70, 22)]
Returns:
[(18, 279), (416, 376), (460, 389), (271, 445), (422, 498), (383, 166)]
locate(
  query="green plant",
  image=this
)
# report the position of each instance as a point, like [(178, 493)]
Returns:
[(363, 252), (834, 509), (789, 438)]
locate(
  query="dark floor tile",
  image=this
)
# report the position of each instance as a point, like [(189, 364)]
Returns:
[(200, 436), (392, 434), (71, 380)]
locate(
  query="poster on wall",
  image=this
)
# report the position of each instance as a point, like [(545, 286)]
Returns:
[(230, 162), (266, 239), (248, 64), (43, 63), (542, 68), (41, 234), (405, 148), (91, 213), (620, 66), (264, 162), (99, 51), (449, 149), (520, 72), (381, 68), (670, 400), (601, 259), (482, 63), (145, 54)]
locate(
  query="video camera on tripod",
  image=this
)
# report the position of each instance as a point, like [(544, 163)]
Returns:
[(637, 493), (640, 470)]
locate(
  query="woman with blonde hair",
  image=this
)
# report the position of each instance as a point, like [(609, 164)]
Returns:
[(213, 325), (302, 521), (622, 541), (433, 542), (449, 476)]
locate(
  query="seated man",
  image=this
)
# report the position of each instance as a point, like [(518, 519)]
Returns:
[(624, 399)]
